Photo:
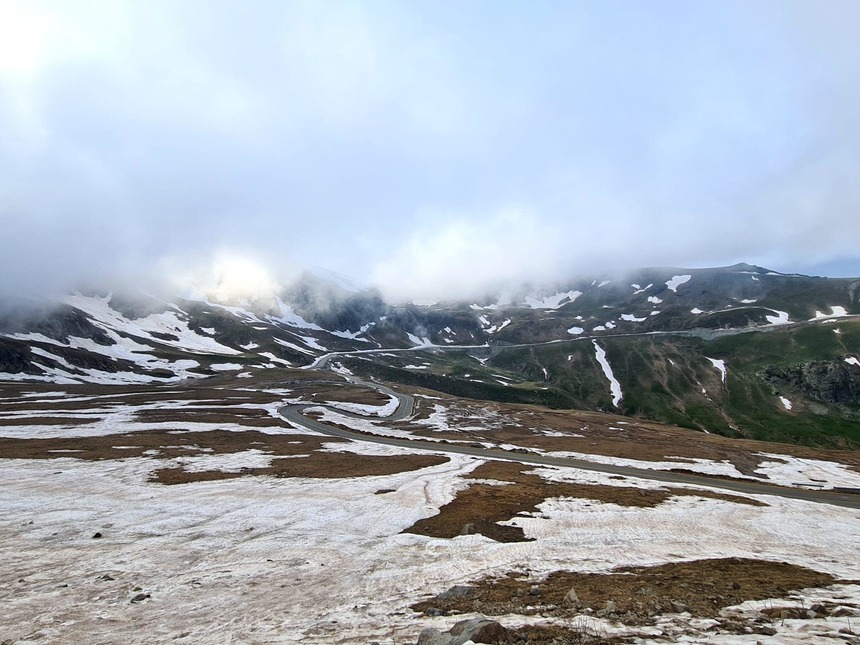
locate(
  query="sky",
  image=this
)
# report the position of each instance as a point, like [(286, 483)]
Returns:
[(429, 148)]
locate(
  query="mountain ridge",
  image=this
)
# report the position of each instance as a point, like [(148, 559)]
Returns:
[(657, 343)]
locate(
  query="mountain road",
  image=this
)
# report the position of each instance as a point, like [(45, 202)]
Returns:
[(294, 414)]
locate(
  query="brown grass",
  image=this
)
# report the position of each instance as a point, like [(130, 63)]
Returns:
[(639, 593), (480, 507), (616, 436), (318, 465), (167, 444)]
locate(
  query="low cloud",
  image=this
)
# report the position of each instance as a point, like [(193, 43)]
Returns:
[(436, 152)]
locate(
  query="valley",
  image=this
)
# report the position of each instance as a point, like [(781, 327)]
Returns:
[(560, 461)]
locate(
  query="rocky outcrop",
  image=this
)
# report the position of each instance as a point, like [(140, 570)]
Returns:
[(476, 630), (834, 381)]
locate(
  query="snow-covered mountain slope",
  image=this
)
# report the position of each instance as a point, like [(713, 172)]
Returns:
[(673, 345), (121, 338)]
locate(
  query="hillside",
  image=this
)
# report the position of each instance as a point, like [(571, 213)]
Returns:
[(740, 351)]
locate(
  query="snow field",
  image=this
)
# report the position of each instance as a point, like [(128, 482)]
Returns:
[(319, 561)]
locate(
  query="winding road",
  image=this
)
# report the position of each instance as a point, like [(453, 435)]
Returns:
[(406, 403)]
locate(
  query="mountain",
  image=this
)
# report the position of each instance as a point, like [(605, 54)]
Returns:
[(738, 350)]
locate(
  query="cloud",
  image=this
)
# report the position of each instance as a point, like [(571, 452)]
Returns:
[(466, 144), (465, 256)]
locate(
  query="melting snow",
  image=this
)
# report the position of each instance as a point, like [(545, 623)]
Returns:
[(552, 302), (420, 342), (614, 385), (852, 361), (785, 402), (368, 410), (576, 331), (291, 318), (275, 359), (631, 318), (835, 312), (494, 328), (643, 289), (781, 318), (290, 345), (225, 367), (311, 342), (787, 470), (655, 300), (677, 281), (354, 335), (696, 310), (167, 322), (720, 365)]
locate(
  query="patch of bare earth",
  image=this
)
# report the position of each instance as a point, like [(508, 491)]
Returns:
[(46, 421), (480, 507), (242, 416), (161, 444), (632, 595), (306, 459), (318, 465), (345, 393)]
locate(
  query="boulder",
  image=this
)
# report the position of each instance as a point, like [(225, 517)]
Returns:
[(477, 630), (571, 599), (678, 607)]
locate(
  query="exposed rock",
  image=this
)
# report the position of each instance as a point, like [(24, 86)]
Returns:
[(610, 608), (833, 381), (477, 630), (678, 607), (571, 598), (140, 597), (468, 529), (458, 591)]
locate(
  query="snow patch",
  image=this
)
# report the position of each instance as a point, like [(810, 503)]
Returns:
[(167, 324), (677, 281), (554, 301), (781, 317), (225, 367), (720, 365), (835, 312), (419, 342), (614, 385)]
